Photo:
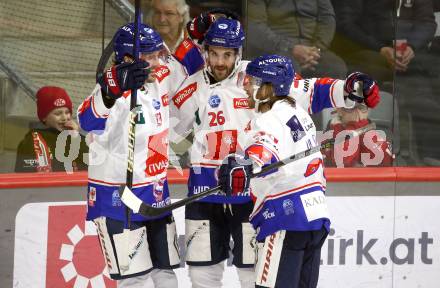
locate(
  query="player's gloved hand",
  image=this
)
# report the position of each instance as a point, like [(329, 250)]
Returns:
[(370, 89), (199, 25), (123, 77), (235, 174)]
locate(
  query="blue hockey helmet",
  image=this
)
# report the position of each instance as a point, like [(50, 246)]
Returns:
[(274, 69), (149, 41), (226, 33)]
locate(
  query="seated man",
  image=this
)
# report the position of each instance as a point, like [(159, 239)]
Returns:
[(301, 30)]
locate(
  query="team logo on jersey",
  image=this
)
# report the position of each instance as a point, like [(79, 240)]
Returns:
[(296, 129), (184, 94), (156, 104), (288, 207), (241, 103), (313, 166), (161, 72), (214, 101), (165, 101), (140, 119), (158, 190)]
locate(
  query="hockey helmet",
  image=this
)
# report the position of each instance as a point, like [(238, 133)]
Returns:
[(226, 33), (149, 41), (274, 69)]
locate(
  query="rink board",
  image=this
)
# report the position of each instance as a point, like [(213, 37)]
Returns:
[(375, 242)]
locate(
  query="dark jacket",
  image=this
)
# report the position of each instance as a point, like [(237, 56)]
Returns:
[(371, 24), (36, 152), (275, 26)]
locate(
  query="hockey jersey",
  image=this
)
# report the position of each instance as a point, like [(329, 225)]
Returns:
[(109, 144), (219, 113), (292, 197)]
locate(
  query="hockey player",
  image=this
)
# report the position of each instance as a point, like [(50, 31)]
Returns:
[(290, 213), (152, 242), (214, 105)]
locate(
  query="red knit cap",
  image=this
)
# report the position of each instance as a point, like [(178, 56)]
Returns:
[(50, 98)]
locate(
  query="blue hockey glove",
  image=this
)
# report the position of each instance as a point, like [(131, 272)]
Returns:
[(235, 174), (123, 77), (370, 89)]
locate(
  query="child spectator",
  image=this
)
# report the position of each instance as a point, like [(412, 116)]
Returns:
[(36, 151), (371, 143)]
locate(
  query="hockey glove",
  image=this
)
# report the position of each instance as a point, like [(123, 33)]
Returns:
[(235, 174), (199, 25), (123, 77), (370, 89)]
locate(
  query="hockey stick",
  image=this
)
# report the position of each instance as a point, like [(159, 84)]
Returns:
[(124, 260), (136, 204)]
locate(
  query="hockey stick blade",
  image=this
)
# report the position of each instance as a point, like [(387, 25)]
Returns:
[(146, 210)]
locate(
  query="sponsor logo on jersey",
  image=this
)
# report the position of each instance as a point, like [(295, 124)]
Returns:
[(306, 85), (161, 72), (157, 157), (165, 101), (288, 207), (116, 200), (214, 101), (184, 94), (296, 129), (268, 258), (268, 215), (313, 166), (156, 104), (200, 189), (241, 103)]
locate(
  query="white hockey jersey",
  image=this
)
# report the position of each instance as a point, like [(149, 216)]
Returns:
[(218, 114), (109, 144), (292, 197)]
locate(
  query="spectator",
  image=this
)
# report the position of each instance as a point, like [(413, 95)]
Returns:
[(168, 18), (300, 29), (366, 33), (36, 151), (371, 143)]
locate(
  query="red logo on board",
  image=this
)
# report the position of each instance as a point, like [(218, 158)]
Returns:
[(74, 257)]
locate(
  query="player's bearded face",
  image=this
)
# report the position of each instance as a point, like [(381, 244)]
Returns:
[(221, 61)]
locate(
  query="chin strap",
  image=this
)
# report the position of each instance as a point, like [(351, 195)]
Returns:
[(258, 101)]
